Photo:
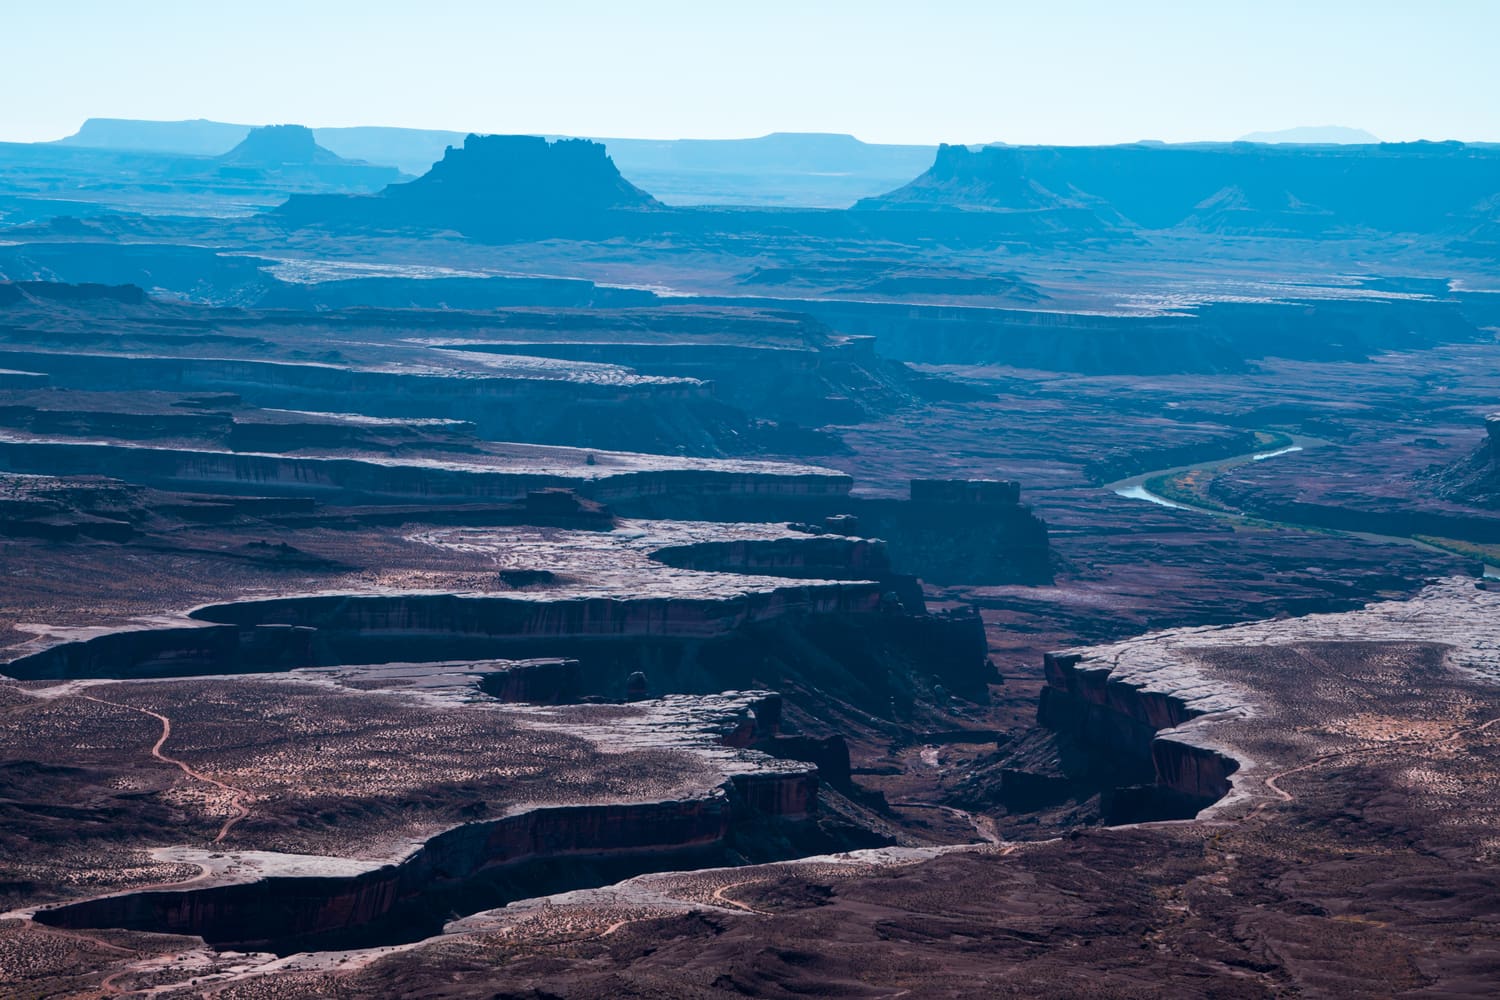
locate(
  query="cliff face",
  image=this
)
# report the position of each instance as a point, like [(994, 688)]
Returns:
[(501, 403), (1213, 337), (229, 472), (1225, 188), (50, 292), (477, 865), (1115, 717), (498, 616), (1476, 479), (823, 557), (949, 531), (171, 651), (850, 638), (961, 531), (719, 801)]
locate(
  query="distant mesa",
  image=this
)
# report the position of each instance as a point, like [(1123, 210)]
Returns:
[(513, 171), (784, 168), (216, 154), (281, 146), (199, 137), (1303, 190), (992, 179), (776, 153), (507, 186), (290, 154), (503, 188), (408, 149), (999, 181), (1315, 135)]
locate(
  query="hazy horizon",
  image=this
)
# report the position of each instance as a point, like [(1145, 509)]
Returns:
[(1279, 132), (1077, 73)]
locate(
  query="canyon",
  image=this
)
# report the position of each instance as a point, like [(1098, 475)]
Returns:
[(524, 581)]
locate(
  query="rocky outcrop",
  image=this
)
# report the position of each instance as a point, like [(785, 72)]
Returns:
[(62, 509), (597, 374), (783, 168)]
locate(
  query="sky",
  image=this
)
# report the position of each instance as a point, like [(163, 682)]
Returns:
[(1051, 71)]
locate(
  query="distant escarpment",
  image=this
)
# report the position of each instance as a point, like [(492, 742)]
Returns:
[(497, 186), (1213, 336), (1237, 188)]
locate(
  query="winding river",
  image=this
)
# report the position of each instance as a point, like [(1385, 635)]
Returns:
[(1134, 488)]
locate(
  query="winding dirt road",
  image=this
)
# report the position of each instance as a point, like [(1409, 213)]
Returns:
[(237, 796), (723, 900)]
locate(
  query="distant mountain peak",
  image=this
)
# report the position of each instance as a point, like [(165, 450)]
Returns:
[(1333, 135)]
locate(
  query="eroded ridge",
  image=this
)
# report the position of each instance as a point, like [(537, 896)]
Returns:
[(443, 824), (1355, 856), (1207, 699), (361, 801)]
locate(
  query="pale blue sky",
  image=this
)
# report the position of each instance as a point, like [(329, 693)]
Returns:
[(1061, 71)]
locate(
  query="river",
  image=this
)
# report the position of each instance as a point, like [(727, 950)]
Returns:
[(1134, 488)]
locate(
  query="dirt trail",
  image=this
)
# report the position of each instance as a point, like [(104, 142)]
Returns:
[(723, 900), (106, 987), (236, 795), (1271, 782)]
